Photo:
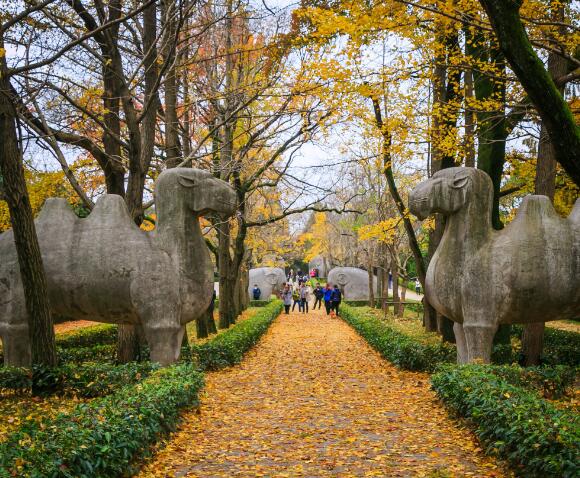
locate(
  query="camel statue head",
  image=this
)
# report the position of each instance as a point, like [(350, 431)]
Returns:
[(449, 190), (199, 191)]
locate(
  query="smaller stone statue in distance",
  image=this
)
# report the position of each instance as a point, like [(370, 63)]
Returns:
[(479, 277), (268, 279), (353, 282)]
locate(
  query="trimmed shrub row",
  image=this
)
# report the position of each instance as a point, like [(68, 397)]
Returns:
[(536, 437), (561, 347), (102, 334), (229, 347), (404, 351), (88, 380), (549, 382), (260, 303), (102, 437)]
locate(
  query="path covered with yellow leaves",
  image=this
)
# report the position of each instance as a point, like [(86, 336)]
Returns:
[(313, 399)]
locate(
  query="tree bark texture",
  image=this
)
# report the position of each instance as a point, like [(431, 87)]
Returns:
[(540, 87), (533, 335), (40, 326)]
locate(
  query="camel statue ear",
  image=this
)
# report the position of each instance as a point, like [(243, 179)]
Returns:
[(460, 180), (185, 181)]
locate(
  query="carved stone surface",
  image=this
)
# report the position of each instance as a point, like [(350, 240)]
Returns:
[(481, 278), (353, 282), (104, 268), (269, 280), (321, 263)]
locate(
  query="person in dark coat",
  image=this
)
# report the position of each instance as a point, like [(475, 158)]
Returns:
[(318, 295), (256, 292), (336, 299)]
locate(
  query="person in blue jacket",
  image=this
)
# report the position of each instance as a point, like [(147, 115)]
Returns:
[(336, 298), (328, 298)]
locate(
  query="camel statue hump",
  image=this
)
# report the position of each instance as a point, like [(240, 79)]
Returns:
[(536, 208), (574, 216), (56, 210), (110, 207)]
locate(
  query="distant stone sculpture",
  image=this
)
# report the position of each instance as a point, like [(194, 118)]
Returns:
[(104, 268), (322, 264), (481, 278), (268, 279), (353, 282)]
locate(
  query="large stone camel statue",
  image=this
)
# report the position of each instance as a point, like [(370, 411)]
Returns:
[(104, 268), (481, 278)]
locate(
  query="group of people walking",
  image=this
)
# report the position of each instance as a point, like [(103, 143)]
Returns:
[(301, 292)]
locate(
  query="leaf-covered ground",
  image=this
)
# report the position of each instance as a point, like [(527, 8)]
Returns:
[(313, 399)]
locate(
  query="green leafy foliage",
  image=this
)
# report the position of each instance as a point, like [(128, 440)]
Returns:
[(406, 352), (87, 380), (549, 382), (102, 334), (101, 438), (259, 303), (94, 353), (229, 347), (537, 438), (561, 347)]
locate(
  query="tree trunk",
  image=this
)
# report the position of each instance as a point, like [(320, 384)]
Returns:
[(128, 347), (371, 282), (172, 149), (540, 87), (533, 335), (469, 120), (227, 282), (395, 272), (201, 326), (139, 162), (40, 326), (401, 311)]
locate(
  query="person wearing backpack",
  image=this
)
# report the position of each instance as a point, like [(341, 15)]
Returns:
[(336, 298)]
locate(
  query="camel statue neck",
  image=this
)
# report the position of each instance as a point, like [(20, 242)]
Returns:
[(469, 227), (179, 234)]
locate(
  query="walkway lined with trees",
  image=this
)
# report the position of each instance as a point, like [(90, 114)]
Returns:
[(313, 399)]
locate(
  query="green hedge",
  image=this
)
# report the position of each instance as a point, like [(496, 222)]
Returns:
[(229, 347), (88, 380), (102, 334), (102, 437), (404, 351), (518, 425), (95, 353), (550, 382), (260, 303), (561, 347)]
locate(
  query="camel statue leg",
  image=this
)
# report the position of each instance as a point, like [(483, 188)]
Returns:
[(16, 344), (479, 339), (164, 343), (462, 353)]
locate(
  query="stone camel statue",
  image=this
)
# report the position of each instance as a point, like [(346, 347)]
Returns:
[(479, 277), (104, 268)]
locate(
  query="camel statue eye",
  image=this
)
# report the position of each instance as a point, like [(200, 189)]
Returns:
[(186, 182)]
